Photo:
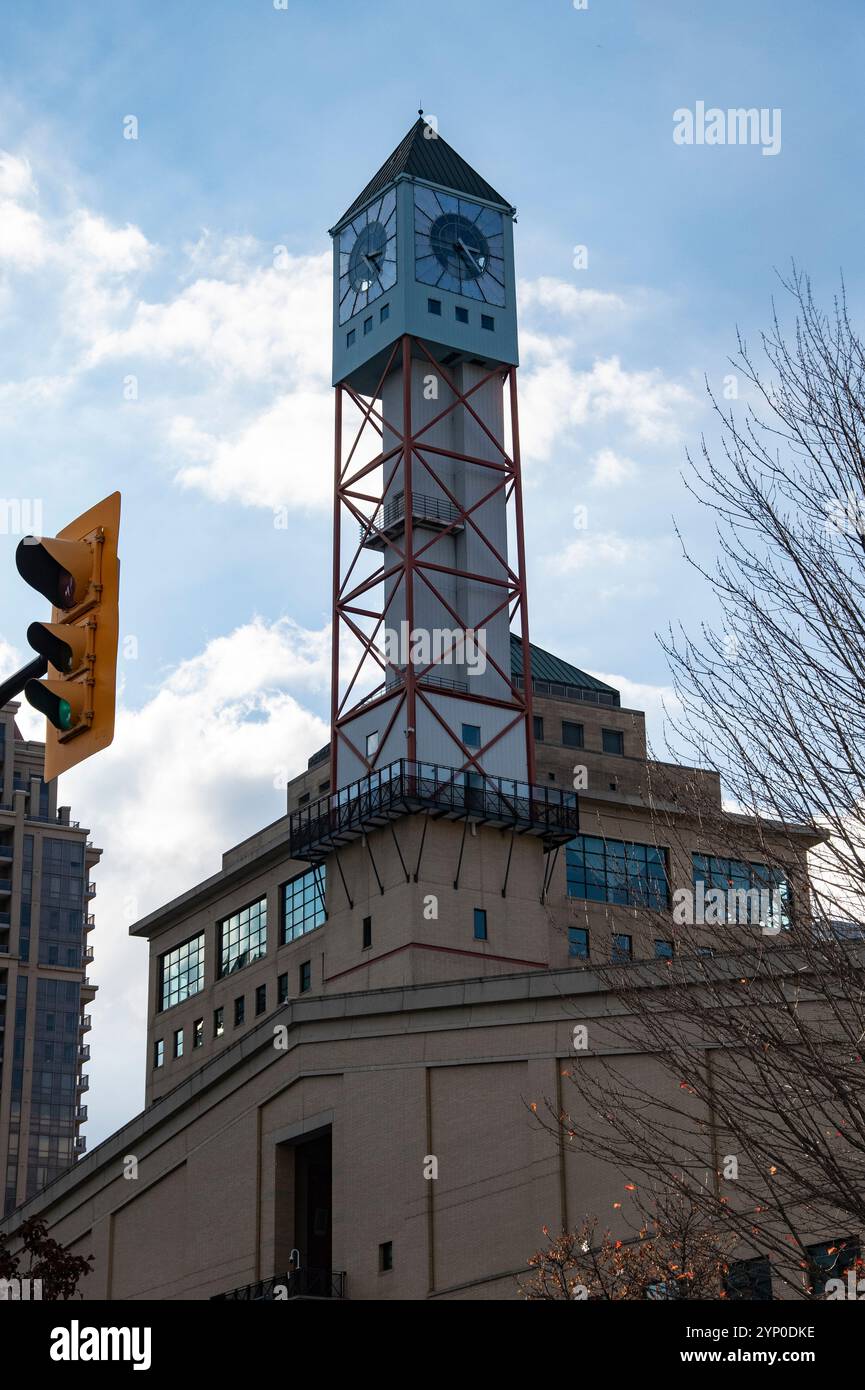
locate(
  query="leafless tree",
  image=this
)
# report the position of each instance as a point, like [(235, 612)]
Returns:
[(759, 1116)]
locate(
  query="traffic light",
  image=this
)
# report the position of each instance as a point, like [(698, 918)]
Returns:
[(79, 573)]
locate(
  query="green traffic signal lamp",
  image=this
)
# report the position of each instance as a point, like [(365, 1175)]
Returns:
[(61, 703)]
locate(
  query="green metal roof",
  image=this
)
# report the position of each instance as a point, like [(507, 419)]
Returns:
[(422, 157), (546, 667)]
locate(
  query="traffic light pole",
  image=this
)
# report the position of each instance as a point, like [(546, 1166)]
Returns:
[(13, 685)]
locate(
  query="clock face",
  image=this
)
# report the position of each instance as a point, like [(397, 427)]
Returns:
[(367, 256), (459, 246)]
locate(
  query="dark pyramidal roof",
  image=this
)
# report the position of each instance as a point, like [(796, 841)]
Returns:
[(546, 667), (431, 159)]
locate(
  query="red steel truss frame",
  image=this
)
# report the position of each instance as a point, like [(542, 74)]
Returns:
[(406, 558)]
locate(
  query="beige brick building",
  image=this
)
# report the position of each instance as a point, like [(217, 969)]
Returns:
[(319, 1032)]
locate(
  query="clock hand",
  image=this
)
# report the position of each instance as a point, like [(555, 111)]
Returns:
[(461, 246)]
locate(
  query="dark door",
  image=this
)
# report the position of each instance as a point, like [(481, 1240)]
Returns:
[(313, 1184)]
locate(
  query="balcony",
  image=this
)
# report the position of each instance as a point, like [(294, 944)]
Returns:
[(301, 1283), (436, 513), (83, 1083), (405, 788), (84, 1023), (90, 890), (90, 923), (80, 1114), (88, 953), (88, 988), (80, 1144), (84, 1052)]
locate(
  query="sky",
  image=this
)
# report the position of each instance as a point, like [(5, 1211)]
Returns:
[(165, 303)]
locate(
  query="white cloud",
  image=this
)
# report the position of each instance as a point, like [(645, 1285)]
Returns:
[(23, 243), (560, 297), (112, 250), (598, 551), (556, 399), (196, 769), (274, 461), (16, 176), (269, 325), (610, 469)]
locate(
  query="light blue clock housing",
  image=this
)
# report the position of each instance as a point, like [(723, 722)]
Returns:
[(426, 249)]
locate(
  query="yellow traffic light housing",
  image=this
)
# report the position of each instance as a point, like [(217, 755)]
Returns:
[(79, 573)]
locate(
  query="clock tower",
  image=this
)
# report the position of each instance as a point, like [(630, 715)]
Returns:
[(428, 580)]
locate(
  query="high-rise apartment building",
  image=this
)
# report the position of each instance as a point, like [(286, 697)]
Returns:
[(45, 926)]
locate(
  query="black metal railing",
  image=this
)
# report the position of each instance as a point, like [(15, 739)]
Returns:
[(424, 508), (571, 692), (405, 786), (299, 1283)]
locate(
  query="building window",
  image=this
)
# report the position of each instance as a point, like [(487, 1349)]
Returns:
[(305, 976), (239, 1010), (303, 904), (324, 786), (260, 999), (472, 735), (615, 871), (462, 315), (242, 937), (367, 933), (349, 338), (572, 734), (198, 1033), (282, 989), (181, 972), (304, 799), (434, 306), (750, 893), (367, 325), (384, 313), (159, 1052), (538, 728), (178, 1042), (372, 743), (488, 322), (623, 948), (578, 943), (830, 1260), (664, 950), (385, 1256), (749, 1279), (613, 742), (218, 1022), (480, 924)]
